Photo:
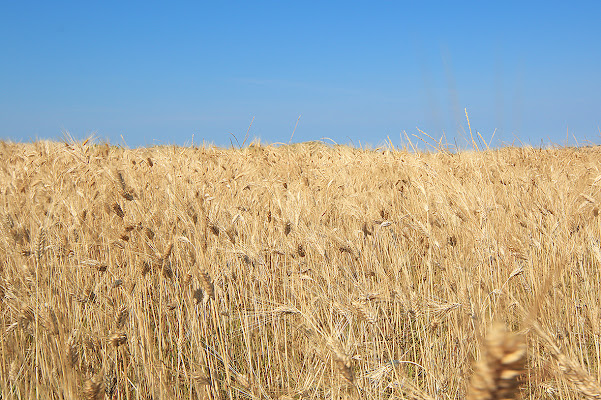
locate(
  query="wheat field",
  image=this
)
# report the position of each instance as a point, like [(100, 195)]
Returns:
[(305, 271)]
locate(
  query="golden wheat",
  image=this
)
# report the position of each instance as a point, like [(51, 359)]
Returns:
[(298, 271), (497, 374), (94, 388)]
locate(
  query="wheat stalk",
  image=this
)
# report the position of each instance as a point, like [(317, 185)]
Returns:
[(581, 380), (496, 376)]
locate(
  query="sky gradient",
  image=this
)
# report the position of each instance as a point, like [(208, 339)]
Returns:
[(145, 73)]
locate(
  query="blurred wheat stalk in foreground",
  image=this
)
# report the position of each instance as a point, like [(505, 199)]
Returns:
[(497, 374)]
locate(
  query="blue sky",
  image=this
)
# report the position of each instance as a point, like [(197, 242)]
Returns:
[(355, 72)]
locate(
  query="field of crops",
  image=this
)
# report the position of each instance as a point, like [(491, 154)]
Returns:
[(303, 271)]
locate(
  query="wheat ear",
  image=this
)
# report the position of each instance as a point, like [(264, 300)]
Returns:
[(496, 375), (582, 381)]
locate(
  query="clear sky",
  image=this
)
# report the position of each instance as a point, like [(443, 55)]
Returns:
[(355, 72)]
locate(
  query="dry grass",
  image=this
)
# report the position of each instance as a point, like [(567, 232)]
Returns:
[(298, 272)]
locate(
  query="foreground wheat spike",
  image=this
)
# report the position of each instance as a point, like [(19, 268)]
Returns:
[(496, 375), (578, 376), (582, 381)]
